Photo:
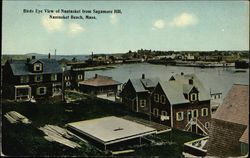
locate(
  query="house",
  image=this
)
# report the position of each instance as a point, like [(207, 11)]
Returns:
[(173, 56), (182, 103), (99, 85), (189, 57), (32, 78), (73, 73), (229, 125), (216, 100), (136, 93)]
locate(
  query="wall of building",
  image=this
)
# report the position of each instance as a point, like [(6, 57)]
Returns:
[(97, 90), (128, 95), (160, 106), (189, 107), (143, 96)]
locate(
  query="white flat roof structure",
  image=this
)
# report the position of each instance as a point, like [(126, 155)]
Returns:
[(109, 130)]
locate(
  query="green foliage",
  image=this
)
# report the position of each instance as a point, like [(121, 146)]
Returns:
[(27, 140)]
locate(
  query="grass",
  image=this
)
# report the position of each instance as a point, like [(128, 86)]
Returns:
[(27, 140)]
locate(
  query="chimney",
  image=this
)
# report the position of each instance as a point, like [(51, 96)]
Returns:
[(191, 81), (28, 60), (143, 76), (33, 57), (49, 56), (96, 75), (55, 53)]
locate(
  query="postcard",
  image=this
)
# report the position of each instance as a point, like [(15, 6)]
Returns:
[(125, 78)]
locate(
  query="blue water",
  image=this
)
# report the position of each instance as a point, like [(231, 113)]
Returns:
[(219, 79)]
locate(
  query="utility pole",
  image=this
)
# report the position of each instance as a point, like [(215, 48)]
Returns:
[(55, 53), (63, 84)]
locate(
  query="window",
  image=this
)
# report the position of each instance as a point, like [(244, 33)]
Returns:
[(41, 90), (164, 113), (142, 103), (67, 78), (22, 92), (38, 78), (24, 79), (204, 112), (193, 96), (79, 77), (53, 77), (195, 113), (37, 67), (68, 84), (155, 112), (179, 116), (156, 97), (207, 125), (163, 99), (244, 148), (56, 91)]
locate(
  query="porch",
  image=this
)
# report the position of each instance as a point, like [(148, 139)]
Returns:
[(196, 126)]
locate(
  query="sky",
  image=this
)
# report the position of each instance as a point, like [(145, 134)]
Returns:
[(155, 25)]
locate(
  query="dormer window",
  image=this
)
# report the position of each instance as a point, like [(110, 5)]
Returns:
[(37, 67), (193, 97)]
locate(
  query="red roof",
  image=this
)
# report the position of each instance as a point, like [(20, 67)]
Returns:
[(99, 80), (244, 137), (235, 107)]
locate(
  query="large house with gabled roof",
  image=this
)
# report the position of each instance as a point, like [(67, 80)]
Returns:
[(229, 133), (136, 93), (37, 79), (182, 103), (99, 85)]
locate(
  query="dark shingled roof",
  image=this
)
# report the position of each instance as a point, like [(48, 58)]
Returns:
[(20, 67), (235, 108)]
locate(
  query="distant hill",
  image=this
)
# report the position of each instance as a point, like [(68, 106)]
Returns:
[(35, 54), (5, 57)]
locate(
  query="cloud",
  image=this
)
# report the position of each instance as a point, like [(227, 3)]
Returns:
[(183, 20), (159, 24), (75, 28), (52, 25), (113, 19)]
